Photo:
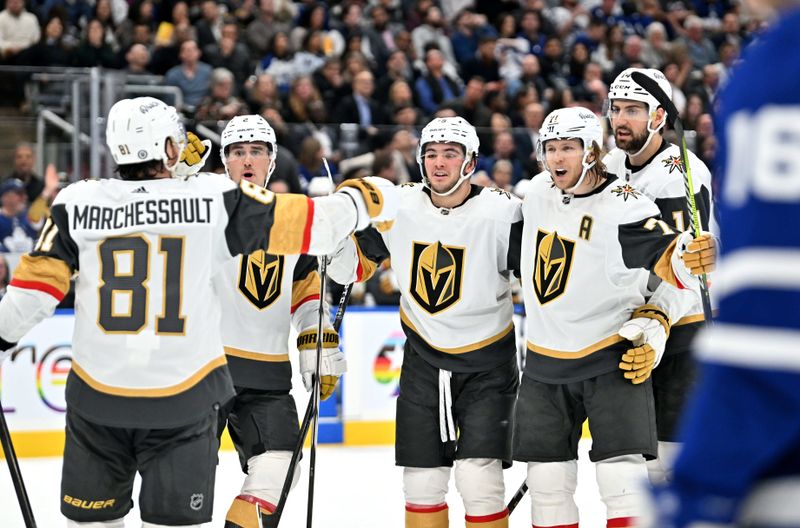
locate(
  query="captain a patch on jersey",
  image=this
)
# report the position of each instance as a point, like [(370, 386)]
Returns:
[(553, 263), (260, 278), (436, 274)]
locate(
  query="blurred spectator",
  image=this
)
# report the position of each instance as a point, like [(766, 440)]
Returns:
[(728, 55), (435, 88), (676, 79), (610, 51), (503, 148), (552, 63), (530, 75), (433, 30), (229, 53), (701, 50), (360, 107), (311, 56), (470, 106), (709, 86), (279, 61), (527, 138), (730, 32), (39, 208), (310, 160), (383, 165), (298, 103), (404, 151), (19, 29), (209, 27), (502, 174), (578, 59), (531, 28), (314, 18), (397, 69), (264, 91), (16, 233), (166, 57), (137, 59), (191, 76), (24, 162), (485, 63), (51, 50), (93, 49), (694, 109), (591, 92), (403, 42), (140, 21), (221, 104), (104, 12), (656, 47), (400, 94), (261, 31), (631, 55), (464, 37), (330, 83), (384, 29)]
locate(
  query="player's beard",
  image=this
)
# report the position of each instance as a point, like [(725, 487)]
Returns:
[(633, 143)]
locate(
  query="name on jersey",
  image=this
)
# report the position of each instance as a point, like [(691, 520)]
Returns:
[(146, 212)]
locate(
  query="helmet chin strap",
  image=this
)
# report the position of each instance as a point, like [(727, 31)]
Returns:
[(456, 185), (586, 166), (651, 132)]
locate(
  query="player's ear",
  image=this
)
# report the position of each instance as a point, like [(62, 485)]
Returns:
[(171, 150)]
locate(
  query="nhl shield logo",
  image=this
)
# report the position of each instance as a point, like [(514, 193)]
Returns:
[(260, 278), (553, 263), (436, 274), (196, 501)]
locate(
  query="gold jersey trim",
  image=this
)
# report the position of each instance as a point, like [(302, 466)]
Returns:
[(47, 270), (291, 221), (696, 318), (462, 349), (160, 392), (663, 267), (577, 354), (256, 356)]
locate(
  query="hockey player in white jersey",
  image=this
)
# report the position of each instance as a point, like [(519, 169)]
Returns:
[(149, 372), (653, 165), (588, 244), (449, 246), (262, 296), (739, 464)]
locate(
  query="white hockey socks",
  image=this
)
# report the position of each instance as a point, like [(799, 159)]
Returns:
[(552, 489), (261, 490), (622, 481), (425, 490), (480, 483)]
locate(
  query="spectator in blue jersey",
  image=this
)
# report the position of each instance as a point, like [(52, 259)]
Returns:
[(739, 465), (16, 233)]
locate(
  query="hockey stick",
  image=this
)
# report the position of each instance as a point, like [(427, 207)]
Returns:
[(272, 521), (16, 474), (694, 217)]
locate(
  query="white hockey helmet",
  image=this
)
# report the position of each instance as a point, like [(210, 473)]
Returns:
[(449, 130), (249, 129), (137, 130), (571, 123), (624, 87)]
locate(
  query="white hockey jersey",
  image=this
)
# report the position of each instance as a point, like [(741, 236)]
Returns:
[(661, 179), (584, 269), (262, 296), (452, 266), (147, 345)]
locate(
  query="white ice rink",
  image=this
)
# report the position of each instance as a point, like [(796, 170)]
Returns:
[(356, 487)]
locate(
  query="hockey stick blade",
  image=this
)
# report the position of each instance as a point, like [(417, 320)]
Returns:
[(663, 99)]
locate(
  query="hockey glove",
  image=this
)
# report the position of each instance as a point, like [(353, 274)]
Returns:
[(377, 201), (193, 156), (648, 330), (699, 254), (331, 364)]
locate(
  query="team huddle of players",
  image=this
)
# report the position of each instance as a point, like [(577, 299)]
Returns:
[(183, 314)]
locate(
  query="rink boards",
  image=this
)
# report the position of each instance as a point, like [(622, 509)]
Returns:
[(32, 383)]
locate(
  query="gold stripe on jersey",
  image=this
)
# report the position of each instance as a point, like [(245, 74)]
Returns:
[(366, 267), (462, 349), (160, 392), (288, 232), (256, 356), (49, 271), (577, 354), (663, 267), (304, 288), (689, 319)]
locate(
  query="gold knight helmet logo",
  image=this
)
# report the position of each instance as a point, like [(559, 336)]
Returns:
[(260, 278), (553, 264), (436, 274)]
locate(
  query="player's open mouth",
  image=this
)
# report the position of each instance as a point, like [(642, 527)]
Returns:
[(561, 173), (249, 175)]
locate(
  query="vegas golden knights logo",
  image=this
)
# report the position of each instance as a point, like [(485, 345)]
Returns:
[(553, 263), (260, 278), (436, 273)]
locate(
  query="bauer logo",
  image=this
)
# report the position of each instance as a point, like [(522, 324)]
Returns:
[(260, 278), (553, 263), (436, 275)]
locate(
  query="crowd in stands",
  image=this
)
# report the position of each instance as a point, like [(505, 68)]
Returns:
[(354, 81)]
